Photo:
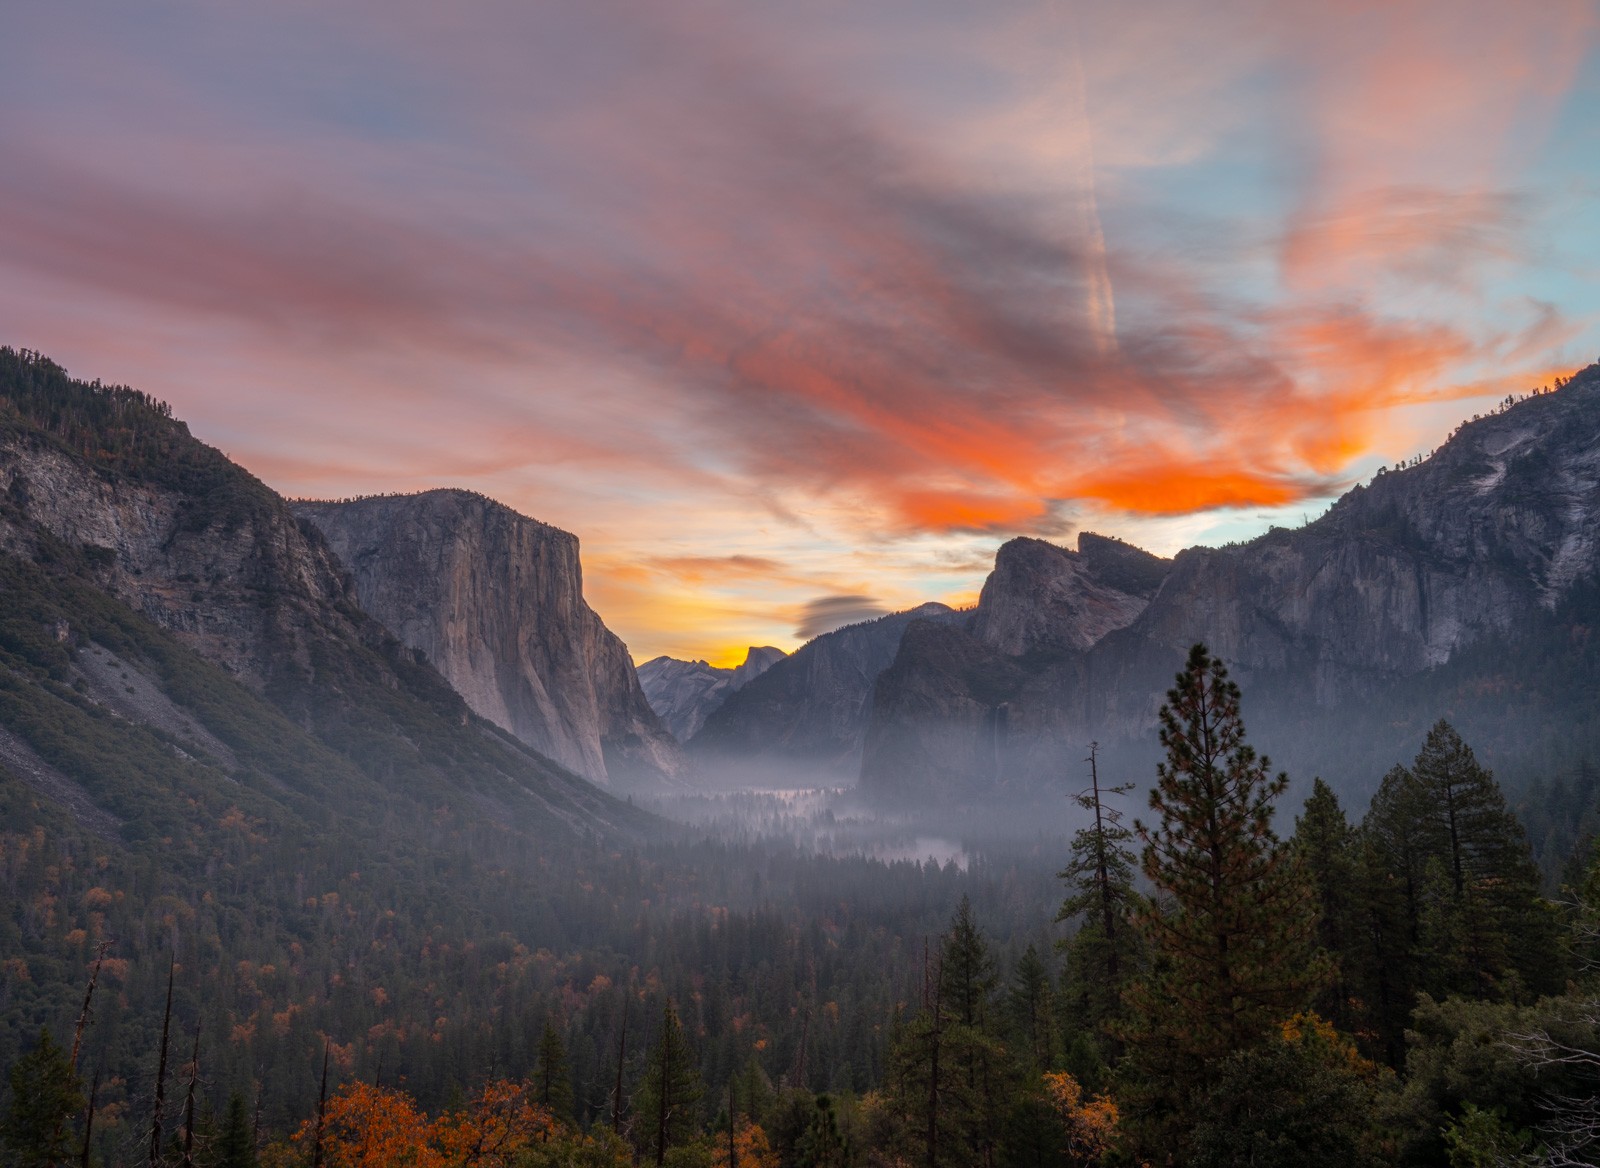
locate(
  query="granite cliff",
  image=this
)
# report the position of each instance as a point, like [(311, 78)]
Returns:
[(494, 600), (1412, 597), (685, 693)]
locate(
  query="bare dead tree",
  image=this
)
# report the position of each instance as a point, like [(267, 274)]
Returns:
[(622, 1054), (322, 1109), (936, 1035), (77, 1038), (88, 1000), (1572, 1128), (88, 1119), (188, 1102), (161, 1070)]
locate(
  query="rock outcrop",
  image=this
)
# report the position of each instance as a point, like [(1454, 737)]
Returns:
[(685, 693), (803, 719), (495, 602), (217, 557), (1377, 603), (188, 602), (1045, 599)]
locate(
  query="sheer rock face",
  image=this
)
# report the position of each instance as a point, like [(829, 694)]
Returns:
[(495, 601), (685, 693), (804, 718), (1397, 579)]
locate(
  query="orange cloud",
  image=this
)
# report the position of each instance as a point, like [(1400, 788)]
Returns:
[(693, 287), (1168, 488), (953, 511)]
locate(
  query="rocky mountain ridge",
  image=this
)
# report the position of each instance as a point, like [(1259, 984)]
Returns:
[(808, 718), (685, 693), (1402, 580)]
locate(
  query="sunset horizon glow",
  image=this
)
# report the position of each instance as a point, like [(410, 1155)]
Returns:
[(793, 314)]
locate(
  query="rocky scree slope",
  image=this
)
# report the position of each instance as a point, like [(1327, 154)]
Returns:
[(495, 602), (1349, 636)]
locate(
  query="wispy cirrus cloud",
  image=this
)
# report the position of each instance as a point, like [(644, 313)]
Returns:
[(770, 305)]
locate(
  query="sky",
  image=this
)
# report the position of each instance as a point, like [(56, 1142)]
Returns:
[(794, 312)]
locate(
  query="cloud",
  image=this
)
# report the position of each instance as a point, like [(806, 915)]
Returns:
[(698, 567), (705, 283), (826, 613)]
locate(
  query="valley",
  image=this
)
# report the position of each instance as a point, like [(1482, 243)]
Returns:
[(373, 786)]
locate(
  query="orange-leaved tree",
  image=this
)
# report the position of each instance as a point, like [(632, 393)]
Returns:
[(492, 1130), (372, 1127), (1090, 1124), (382, 1127), (750, 1145)]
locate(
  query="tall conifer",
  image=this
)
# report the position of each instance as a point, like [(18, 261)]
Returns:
[(1232, 929), (667, 1107), (45, 1095), (1324, 841), (552, 1077), (1104, 951)]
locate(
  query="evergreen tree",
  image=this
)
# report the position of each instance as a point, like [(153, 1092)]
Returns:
[(948, 1082), (236, 1145), (1391, 867), (1232, 931), (822, 1145), (967, 983), (552, 1079), (1491, 931), (666, 1109), (1450, 893), (967, 975), (45, 1096), (1030, 1010), (1325, 843), (1104, 951), (1302, 1099)]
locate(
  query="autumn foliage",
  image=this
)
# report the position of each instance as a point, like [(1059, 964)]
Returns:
[(749, 1143), (1090, 1124), (378, 1127)]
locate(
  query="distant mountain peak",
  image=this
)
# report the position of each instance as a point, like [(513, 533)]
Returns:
[(685, 693)]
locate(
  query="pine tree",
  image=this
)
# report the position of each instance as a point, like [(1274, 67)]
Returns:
[(967, 977), (947, 1082), (45, 1095), (975, 1057), (552, 1079), (1449, 893), (1232, 931), (1391, 866), (667, 1105), (1489, 925), (822, 1145), (1104, 951), (1325, 844), (236, 1145), (1030, 1009)]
